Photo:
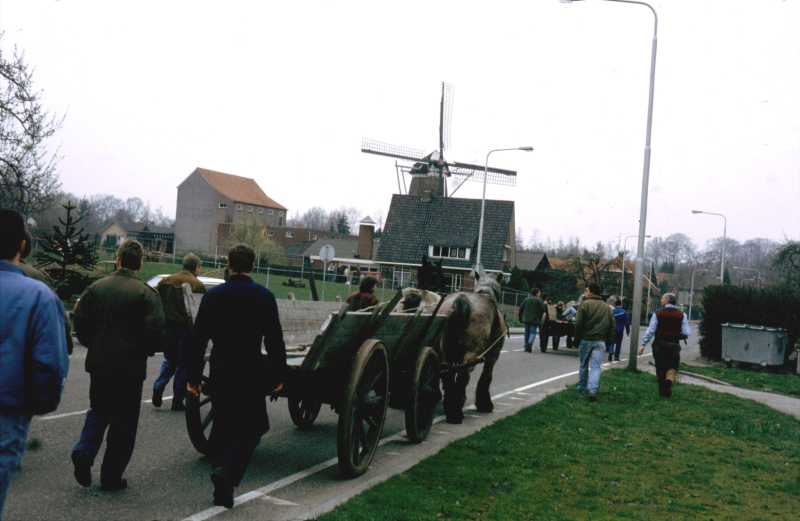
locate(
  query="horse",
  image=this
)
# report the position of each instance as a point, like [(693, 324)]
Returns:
[(431, 281), (475, 330)]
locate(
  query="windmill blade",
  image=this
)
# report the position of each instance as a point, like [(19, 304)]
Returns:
[(445, 116), (497, 176), (370, 146)]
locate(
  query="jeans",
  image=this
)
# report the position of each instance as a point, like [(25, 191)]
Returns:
[(591, 352), (174, 364), (13, 434), (530, 333), (115, 404)]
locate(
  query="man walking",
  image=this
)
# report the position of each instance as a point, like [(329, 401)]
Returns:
[(669, 326), (364, 297), (622, 326), (235, 316), (120, 321), (33, 350), (530, 314), (594, 325), (177, 329)]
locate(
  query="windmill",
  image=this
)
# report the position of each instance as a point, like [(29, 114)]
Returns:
[(434, 164)]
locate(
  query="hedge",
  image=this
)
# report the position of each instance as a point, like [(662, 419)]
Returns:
[(777, 306)]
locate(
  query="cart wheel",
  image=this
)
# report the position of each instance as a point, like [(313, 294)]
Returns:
[(303, 411), (199, 415), (363, 409), (423, 395)]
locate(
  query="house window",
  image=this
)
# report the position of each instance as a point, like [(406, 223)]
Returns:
[(238, 207), (456, 281), (401, 276), (260, 210), (280, 214), (271, 211), (290, 234), (505, 253), (449, 252), (223, 205), (250, 209), (271, 233)]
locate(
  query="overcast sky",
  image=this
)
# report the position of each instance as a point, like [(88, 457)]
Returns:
[(283, 92)]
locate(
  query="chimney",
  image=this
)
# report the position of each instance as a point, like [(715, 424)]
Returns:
[(366, 233)]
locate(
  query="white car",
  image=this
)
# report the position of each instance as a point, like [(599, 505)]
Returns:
[(208, 282)]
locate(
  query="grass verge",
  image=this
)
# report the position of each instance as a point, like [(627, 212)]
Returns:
[(758, 379), (631, 455)]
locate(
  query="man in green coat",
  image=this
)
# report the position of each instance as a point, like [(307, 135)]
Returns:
[(530, 314), (595, 327), (120, 321)]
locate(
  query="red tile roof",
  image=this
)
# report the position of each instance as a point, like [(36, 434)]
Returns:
[(239, 189)]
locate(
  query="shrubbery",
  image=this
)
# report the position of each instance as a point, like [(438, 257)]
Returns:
[(777, 306)]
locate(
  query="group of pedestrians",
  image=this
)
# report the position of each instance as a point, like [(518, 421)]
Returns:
[(122, 321), (599, 329)]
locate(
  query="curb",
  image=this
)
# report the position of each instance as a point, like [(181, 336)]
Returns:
[(700, 376)]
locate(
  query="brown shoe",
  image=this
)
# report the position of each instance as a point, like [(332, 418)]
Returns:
[(592, 397)]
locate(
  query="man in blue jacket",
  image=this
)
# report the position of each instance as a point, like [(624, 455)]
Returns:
[(33, 349), (623, 326)]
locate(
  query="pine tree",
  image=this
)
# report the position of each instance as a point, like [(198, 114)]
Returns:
[(65, 250)]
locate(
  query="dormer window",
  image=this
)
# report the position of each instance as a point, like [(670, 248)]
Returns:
[(449, 252)]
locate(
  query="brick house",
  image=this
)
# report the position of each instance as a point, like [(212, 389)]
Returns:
[(445, 228), (209, 202), (152, 237)]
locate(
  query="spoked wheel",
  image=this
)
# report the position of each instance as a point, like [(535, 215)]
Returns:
[(423, 395), (199, 415), (363, 409), (304, 412)]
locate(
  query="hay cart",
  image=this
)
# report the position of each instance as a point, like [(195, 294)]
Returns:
[(554, 328), (359, 363)]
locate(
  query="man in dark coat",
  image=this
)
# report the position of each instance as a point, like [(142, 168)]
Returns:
[(530, 314), (235, 316), (177, 329), (120, 321)]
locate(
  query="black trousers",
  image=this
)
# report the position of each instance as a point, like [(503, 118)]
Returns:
[(667, 356)]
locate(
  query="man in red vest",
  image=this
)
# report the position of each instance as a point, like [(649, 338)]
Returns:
[(669, 326)]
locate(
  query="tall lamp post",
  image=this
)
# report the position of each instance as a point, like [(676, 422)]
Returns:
[(724, 241), (758, 273), (691, 291), (483, 199), (649, 285), (639, 264), (622, 281)]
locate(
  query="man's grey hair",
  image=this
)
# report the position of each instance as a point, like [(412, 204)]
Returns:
[(191, 262), (671, 298)]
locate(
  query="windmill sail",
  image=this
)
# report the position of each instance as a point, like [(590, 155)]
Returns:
[(468, 172), (445, 116), (370, 146)]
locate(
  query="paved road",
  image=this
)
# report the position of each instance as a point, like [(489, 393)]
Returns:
[(293, 473)]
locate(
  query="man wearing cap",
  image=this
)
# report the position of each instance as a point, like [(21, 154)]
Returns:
[(669, 326)]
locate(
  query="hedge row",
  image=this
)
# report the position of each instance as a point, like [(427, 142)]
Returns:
[(777, 306)]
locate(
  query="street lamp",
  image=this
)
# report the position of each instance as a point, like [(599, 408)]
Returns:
[(724, 240), (639, 265), (483, 199), (758, 273), (691, 291), (624, 248)]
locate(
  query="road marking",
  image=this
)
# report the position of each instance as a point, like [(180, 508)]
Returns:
[(255, 494), (64, 415), (515, 398), (518, 350), (281, 502)]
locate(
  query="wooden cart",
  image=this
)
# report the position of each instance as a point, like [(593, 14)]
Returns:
[(359, 363)]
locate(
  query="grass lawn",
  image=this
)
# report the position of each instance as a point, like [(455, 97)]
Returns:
[(332, 289), (758, 378), (631, 455)]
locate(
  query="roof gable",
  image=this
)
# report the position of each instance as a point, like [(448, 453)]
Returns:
[(532, 260), (413, 224), (239, 189)]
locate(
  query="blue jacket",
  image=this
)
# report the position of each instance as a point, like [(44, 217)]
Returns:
[(33, 348), (623, 320)]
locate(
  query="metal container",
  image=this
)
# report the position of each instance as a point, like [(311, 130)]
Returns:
[(753, 344)]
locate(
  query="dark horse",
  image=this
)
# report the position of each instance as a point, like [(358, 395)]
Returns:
[(475, 329)]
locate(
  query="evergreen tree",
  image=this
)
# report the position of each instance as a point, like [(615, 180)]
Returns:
[(516, 281), (726, 278), (342, 226), (67, 249)]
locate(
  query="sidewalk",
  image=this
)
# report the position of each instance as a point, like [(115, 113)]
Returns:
[(690, 355)]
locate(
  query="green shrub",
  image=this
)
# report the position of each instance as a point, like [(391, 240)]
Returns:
[(776, 306)]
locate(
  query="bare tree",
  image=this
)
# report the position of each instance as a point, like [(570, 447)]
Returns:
[(519, 245), (28, 176), (656, 250), (676, 247), (105, 206)]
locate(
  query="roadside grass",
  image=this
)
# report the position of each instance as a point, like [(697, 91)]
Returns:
[(332, 289), (631, 455), (758, 379)]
